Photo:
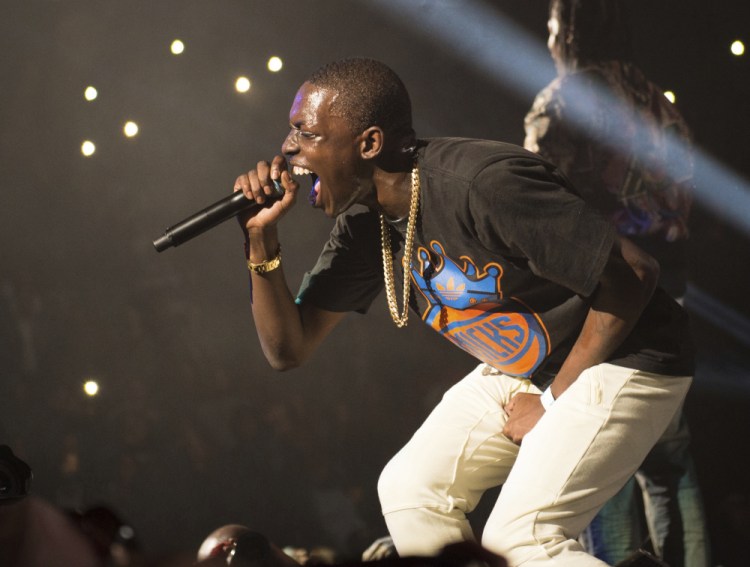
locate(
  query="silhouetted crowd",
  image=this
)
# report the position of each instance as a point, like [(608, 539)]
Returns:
[(36, 533)]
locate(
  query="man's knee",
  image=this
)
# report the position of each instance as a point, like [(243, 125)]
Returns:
[(395, 486), (404, 484)]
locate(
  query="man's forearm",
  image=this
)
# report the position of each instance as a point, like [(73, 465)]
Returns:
[(624, 291), (289, 333), (601, 334), (277, 318), (277, 321)]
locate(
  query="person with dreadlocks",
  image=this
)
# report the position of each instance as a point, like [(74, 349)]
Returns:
[(627, 150), (583, 360)]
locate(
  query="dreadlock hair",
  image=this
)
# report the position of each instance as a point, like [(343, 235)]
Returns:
[(592, 30), (369, 93)]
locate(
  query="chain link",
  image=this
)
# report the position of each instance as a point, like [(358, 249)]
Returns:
[(401, 318)]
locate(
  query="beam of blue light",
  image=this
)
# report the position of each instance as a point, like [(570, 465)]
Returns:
[(723, 191), (718, 314), (491, 43), (517, 60), (726, 368)]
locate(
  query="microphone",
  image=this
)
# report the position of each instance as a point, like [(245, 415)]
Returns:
[(211, 216)]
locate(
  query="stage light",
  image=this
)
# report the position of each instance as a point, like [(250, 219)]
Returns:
[(130, 129), (91, 388), (126, 533), (737, 48), (670, 96), (242, 84), (88, 148), (275, 64), (90, 93), (177, 47)]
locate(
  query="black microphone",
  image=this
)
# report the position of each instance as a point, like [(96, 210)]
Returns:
[(211, 216)]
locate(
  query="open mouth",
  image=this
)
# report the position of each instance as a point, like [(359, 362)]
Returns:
[(315, 189)]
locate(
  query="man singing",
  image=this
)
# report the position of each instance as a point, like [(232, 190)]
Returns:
[(583, 360)]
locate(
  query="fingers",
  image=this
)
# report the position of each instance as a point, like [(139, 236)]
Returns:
[(265, 181), (511, 433), (278, 166), (256, 184), (290, 186), (260, 183)]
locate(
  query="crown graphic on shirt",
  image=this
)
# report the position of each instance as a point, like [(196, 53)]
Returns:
[(445, 282)]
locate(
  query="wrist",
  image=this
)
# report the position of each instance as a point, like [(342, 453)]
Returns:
[(265, 266), (261, 246)]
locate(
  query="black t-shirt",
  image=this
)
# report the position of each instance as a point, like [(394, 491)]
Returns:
[(506, 257)]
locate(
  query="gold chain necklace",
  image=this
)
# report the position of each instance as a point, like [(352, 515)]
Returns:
[(385, 235)]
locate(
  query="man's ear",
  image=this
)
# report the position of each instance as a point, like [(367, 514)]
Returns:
[(371, 142)]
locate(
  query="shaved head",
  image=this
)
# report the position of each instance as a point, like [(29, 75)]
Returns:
[(367, 93)]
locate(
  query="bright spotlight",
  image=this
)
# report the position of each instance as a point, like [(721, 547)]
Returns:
[(242, 84), (670, 96), (91, 388), (177, 47), (737, 48), (130, 129), (126, 532), (88, 148), (275, 64), (90, 93)]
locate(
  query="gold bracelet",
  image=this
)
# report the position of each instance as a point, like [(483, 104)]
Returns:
[(267, 265)]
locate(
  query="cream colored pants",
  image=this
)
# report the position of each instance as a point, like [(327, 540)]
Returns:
[(577, 456)]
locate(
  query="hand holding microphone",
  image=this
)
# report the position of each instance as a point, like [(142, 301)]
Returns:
[(254, 191), (259, 185)]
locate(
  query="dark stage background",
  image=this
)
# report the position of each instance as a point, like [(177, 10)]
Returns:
[(191, 429)]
